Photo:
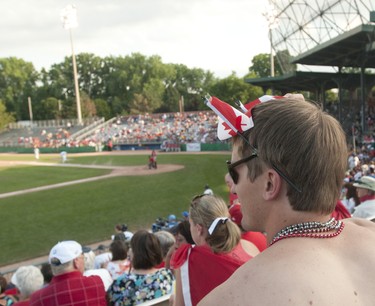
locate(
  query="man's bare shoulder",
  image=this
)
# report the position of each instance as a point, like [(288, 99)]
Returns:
[(303, 271), (250, 280), (361, 224)]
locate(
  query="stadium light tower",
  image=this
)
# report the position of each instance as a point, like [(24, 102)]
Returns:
[(69, 20), (271, 16)]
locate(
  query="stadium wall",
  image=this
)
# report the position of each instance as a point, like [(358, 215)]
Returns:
[(200, 147)]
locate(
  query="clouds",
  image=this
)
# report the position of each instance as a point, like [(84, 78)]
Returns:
[(217, 35)]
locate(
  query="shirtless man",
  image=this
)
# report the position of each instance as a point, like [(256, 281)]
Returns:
[(294, 176)]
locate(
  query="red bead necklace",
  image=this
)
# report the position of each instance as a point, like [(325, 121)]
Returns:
[(310, 230)]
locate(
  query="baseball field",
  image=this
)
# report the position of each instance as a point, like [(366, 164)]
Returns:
[(45, 201)]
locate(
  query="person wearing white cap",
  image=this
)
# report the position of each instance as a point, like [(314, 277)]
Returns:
[(68, 285), (366, 193)]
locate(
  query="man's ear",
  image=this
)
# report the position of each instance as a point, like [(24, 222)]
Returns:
[(76, 263), (273, 185)]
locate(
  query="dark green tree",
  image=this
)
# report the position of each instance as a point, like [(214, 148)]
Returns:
[(48, 109), (261, 64), (102, 109), (18, 79), (5, 117), (232, 88)]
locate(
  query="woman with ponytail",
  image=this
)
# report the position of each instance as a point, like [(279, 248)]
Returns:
[(217, 253)]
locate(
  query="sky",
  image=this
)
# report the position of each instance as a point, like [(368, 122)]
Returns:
[(221, 36)]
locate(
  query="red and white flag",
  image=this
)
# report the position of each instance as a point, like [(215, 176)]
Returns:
[(249, 106), (231, 120)]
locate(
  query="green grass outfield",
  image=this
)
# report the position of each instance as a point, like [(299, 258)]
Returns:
[(32, 223)]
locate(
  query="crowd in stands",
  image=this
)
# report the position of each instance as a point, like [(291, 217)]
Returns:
[(358, 190), (171, 128)]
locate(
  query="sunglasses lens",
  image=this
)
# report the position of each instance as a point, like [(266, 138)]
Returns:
[(234, 175)]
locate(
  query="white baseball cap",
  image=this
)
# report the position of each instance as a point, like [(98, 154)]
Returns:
[(65, 251)]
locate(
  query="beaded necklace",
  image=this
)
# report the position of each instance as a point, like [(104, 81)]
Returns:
[(310, 230)]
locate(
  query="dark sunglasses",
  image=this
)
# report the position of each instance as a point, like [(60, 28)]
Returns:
[(234, 174)]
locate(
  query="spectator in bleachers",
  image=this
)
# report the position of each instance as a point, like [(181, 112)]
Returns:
[(27, 279), (122, 233), (218, 250), (167, 240), (172, 221), (68, 285), (102, 257), (185, 215), (47, 273), (233, 198), (90, 268), (145, 282), (207, 190), (120, 263), (366, 193), (182, 236), (5, 300), (349, 197), (353, 161)]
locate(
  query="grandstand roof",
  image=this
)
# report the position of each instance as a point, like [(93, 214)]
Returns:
[(355, 48), (311, 81)]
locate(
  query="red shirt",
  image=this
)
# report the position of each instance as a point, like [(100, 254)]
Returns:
[(340, 211), (232, 198), (71, 288), (202, 270), (257, 238)]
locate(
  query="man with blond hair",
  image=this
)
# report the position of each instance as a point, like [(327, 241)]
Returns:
[(288, 168)]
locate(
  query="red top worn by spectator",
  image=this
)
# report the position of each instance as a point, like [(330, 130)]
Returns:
[(202, 270), (340, 211)]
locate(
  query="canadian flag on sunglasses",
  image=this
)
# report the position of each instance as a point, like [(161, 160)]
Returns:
[(231, 120)]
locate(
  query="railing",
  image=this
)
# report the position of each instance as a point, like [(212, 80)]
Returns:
[(87, 130), (91, 129)]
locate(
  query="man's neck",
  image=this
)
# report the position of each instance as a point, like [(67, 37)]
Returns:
[(281, 220)]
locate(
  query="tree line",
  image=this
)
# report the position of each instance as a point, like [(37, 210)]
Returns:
[(112, 86)]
